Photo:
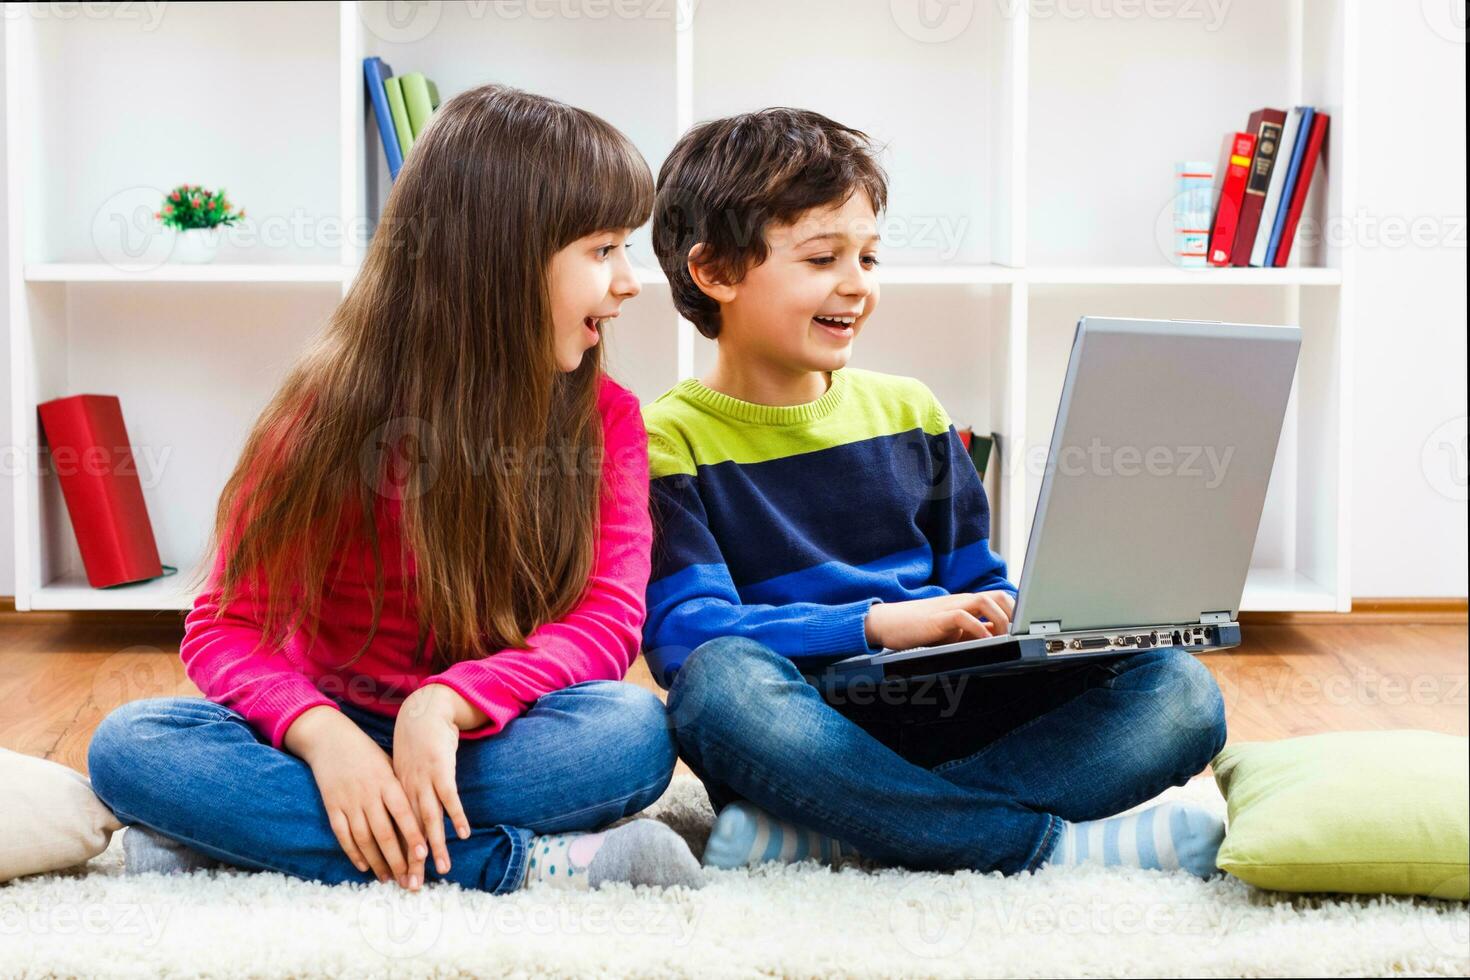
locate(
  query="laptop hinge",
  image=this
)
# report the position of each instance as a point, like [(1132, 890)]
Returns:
[(1212, 618), (1042, 629)]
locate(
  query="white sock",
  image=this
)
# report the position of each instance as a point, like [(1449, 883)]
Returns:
[(642, 852), (1163, 837), (744, 834)]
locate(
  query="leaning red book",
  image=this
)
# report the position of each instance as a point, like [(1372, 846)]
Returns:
[(1235, 168), (94, 461)]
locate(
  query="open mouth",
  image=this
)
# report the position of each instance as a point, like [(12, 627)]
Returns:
[(594, 325), (841, 326)]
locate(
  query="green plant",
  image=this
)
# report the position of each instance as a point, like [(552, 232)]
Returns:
[(191, 206)]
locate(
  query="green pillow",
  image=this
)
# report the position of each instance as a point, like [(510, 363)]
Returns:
[(1361, 812)]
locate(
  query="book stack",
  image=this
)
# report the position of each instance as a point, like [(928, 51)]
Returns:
[(1261, 186), (403, 105)]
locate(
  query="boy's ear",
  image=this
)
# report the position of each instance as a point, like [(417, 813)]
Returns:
[(709, 280)]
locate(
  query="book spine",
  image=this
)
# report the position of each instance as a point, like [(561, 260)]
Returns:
[(419, 101), (374, 71), (393, 89), (1273, 192), (1194, 182), (1293, 174), (1267, 125), (1232, 190), (1303, 185)]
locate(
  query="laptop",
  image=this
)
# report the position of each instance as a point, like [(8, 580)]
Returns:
[(1150, 501)]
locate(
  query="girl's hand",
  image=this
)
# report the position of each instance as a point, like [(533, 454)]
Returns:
[(942, 619), (425, 743), (363, 798)]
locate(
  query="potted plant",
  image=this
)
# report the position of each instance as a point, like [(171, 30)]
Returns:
[(197, 216)]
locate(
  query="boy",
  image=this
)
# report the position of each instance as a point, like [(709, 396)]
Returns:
[(805, 511)]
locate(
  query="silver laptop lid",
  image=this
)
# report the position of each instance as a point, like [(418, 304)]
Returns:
[(1157, 472)]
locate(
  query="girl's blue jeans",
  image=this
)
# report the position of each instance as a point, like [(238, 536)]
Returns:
[(973, 773), (197, 772)]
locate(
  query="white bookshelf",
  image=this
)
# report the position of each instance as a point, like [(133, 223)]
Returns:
[(1030, 155)]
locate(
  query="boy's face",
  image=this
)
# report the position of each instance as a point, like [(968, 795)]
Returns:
[(801, 308)]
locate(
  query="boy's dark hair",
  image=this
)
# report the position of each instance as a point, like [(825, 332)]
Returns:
[(728, 178)]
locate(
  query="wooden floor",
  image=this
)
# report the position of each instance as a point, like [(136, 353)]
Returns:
[(58, 680)]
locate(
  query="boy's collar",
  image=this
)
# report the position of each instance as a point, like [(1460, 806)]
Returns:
[(757, 414)]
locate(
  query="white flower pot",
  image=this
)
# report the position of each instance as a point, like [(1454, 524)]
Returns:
[(196, 245)]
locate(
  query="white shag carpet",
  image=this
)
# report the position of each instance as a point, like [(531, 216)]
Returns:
[(801, 920)]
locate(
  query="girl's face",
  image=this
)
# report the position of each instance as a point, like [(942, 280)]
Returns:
[(589, 279)]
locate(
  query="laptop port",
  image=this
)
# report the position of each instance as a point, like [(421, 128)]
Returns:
[(1055, 646), (1091, 643)]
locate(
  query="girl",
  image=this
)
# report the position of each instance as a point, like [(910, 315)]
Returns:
[(454, 711)]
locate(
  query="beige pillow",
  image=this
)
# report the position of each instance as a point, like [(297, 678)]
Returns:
[(49, 817)]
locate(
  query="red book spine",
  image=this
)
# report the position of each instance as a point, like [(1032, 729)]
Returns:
[(94, 461), (1267, 125), (1232, 189), (1303, 183)]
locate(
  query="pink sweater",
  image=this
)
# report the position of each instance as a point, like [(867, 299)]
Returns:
[(597, 640)]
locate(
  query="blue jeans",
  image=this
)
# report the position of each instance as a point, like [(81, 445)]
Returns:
[(975, 773), (197, 772)]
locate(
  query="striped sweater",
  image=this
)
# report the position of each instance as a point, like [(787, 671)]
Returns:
[(784, 524)]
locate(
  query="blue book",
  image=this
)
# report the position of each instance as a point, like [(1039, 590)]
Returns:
[(375, 70), (1293, 171)]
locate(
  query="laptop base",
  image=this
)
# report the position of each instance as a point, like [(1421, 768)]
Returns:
[(1005, 654)]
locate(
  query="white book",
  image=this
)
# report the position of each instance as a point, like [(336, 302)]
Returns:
[(1279, 167)]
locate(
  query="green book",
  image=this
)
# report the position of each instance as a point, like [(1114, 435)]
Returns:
[(422, 98), (394, 91)]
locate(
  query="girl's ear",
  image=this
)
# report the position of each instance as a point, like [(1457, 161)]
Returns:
[(709, 280)]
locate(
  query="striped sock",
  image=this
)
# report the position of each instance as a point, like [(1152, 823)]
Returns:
[(1163, 837), (744, 834)]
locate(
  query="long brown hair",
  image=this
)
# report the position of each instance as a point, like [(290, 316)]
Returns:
[(435, 388)]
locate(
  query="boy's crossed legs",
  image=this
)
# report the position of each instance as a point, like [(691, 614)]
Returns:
[(994, 773)]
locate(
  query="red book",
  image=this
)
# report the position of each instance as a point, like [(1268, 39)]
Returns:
[(94, 460), (1233, 168), (1303, 183), (1267, 125)]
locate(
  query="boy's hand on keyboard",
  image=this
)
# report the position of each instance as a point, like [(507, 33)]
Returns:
[(943, 619)]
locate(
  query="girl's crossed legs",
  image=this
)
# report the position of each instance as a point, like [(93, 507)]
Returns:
[(198, 773)]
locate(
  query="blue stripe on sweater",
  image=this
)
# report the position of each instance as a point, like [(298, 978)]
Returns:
[(853, 504)]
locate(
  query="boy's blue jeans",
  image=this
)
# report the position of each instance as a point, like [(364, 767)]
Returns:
[(197, 772), (975, 773)]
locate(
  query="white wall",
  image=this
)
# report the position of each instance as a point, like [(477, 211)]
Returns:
[(1409, 511)]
